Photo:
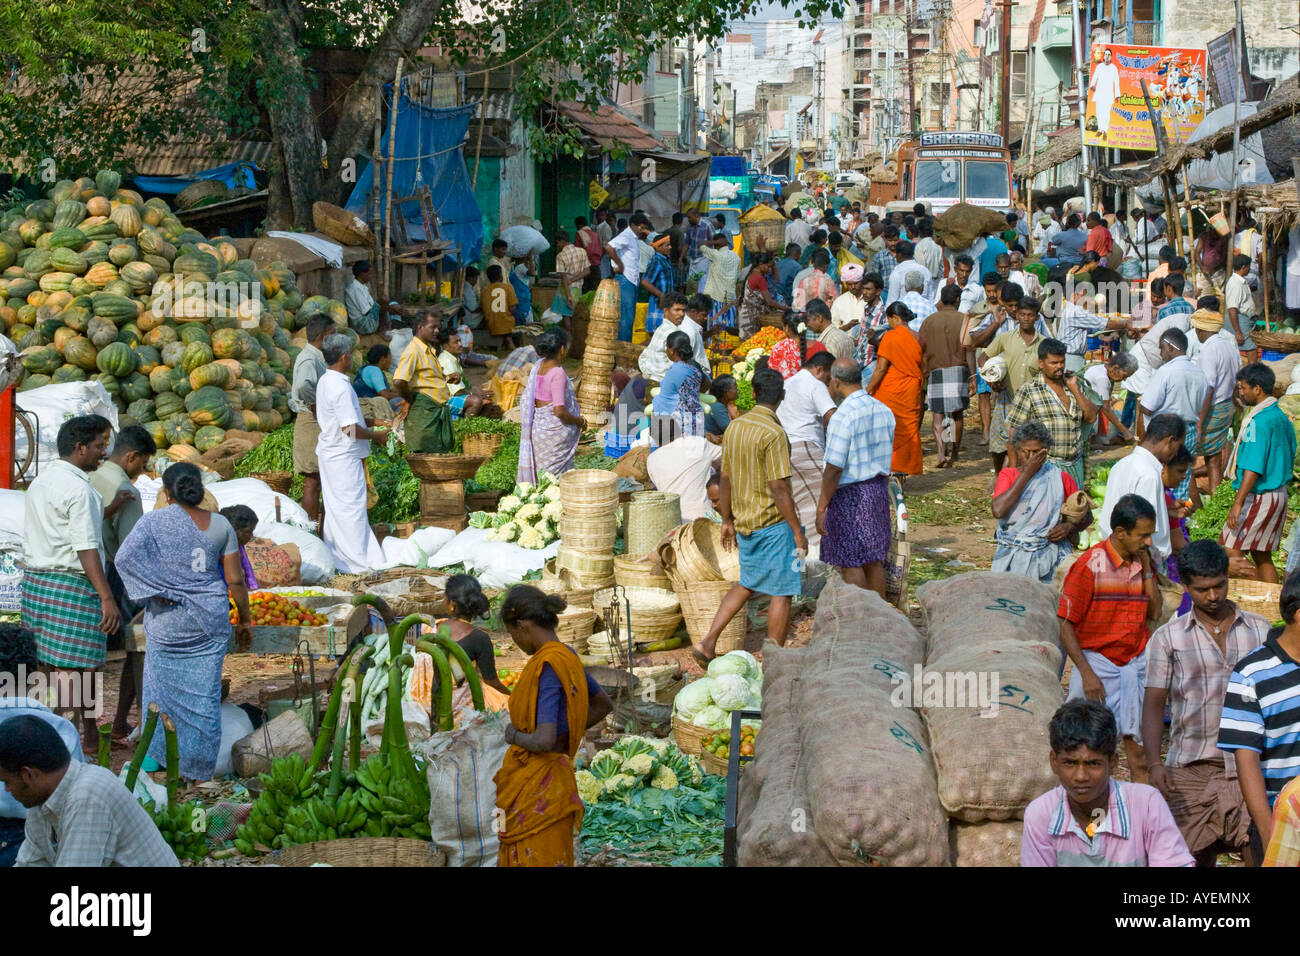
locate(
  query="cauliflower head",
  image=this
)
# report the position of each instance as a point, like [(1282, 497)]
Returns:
[(552, 493), (664, 779), (553, 511), (508, 505), (753, 355), (532, 539), (508, 531), (491, 535), (527, 512), (640, 764), (620, 782), (589, 787), (606, 764), (523, 489)]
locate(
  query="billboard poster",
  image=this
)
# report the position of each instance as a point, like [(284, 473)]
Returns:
[(1117, 114)]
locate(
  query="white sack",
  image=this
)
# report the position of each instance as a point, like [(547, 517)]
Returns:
[(317, 562)]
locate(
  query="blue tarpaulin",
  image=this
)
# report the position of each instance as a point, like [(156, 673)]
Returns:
[(232, 174), (429, 153)]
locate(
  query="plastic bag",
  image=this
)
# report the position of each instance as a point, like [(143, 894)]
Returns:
[(258, 495), (462, 765), (13, 518), (317, 562), (235, 726), (52, 405), (11, 580), (498, 563), (523, 241)]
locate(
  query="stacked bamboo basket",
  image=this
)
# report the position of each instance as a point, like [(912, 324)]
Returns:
[(588, 528), (650, 515), (598, 352), (702, 572)]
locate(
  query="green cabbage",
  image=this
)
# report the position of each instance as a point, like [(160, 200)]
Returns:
[(693, 698), (730, 691), (737, 662), (712, 717)]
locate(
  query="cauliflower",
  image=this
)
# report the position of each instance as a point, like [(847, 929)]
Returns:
[(499, 519), (753, 355), (523, 490), (547, 479), (660, 746), (531, 539), (508, 531), (620, 782), (589, 788), (606, 764), (480, 519), (640, 764), (508, 505), (528, 513), (553, 510), (687, 768), (552, 493), (664, 779), (491, 535)]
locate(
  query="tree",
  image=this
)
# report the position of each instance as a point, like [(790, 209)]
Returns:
[(255, 65)]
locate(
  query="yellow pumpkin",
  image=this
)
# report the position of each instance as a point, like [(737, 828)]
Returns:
[(98, 206)]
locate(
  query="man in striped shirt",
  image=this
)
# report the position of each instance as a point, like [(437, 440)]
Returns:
[(1261, 715), (759, 515)]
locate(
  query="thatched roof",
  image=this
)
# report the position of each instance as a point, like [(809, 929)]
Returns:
[(1061, 149)]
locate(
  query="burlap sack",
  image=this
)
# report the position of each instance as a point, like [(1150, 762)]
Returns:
[(880, 657), (987, 606), (986, 844), (774, 821), (991, 754), (958, 226)]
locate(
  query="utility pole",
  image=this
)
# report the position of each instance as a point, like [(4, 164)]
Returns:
[(911, 82), (1079, 24), (1004, 48), (1239, 51), (821, 93), (689, 79)]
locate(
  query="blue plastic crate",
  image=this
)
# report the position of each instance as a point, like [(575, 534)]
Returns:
[(616, 446)]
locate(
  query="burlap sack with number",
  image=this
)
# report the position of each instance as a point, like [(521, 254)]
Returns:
[(990, 755), (774, 823), (984, 606), (881, 656), (986, 844)]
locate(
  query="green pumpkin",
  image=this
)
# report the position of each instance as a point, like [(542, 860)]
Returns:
[(135, 387), (158, 432), (142, 410), (110, 383), (208, 437), (167, 404), (194, 332), (81, 352), (196, 354), (209, 374), (179, 429), (43, 359), (208, 406), (117, 359), (181, 382), (68, 373), (122, 251), (33, 381), (160, 379)]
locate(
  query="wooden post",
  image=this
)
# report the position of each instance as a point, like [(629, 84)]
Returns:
[(388, 189), (377, 164), (1263, 272)]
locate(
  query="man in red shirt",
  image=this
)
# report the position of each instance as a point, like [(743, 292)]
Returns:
[(1100, 240), (1109, 601)]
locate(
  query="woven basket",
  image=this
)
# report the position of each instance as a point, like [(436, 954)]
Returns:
[(690, 739), (633, 572), (590, 535), (482, 445), (695, 554), (773, 231), (196, 192), (361, 851), (649, 516), (588, 492), (444, 467), (582, 566), (575, 627), (628, 353), (700, 601), (340, 225), (1276, 341), (606, 302), (653, 617), (1258, 596), (280, 481)]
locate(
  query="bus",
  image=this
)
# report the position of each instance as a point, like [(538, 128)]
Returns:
[(943, 169)]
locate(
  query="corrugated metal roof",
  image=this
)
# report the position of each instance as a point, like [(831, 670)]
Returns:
[(191, 156), (608, 127)]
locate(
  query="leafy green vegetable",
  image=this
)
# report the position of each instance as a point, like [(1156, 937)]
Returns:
[(275, 453), (1208, 522), (744, 395), (676, 827), (398, 489), (595, 460), (498, 472)]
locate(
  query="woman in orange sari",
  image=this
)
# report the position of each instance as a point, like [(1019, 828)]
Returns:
[(551, 707), (898, 383)]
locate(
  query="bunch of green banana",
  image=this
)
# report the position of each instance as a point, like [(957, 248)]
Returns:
[(184, 826), (395, 805), (321, 819), (283, 789)]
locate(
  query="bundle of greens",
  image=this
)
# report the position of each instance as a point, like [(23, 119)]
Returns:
[(744, 394), (397, 488), (1208, 521)]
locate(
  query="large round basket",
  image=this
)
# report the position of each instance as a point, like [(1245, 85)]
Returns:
[(627, 354), (773, 230), (575, 627), (563, 582), (483, 445), (340, 225), (1276, 341), (589, 492), (650, 516), (443, 467), (583, 567), (1258, 596), (633, 572), (605, 303), (695, 553), (590, 535), (361, 851), (655, 613), (689, 738), (700, 601), (279, 481)]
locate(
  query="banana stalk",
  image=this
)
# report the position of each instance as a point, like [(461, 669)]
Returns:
[(341, 735), (105, 744), (397, 635), (443, 639), (331, 718), (354, 711), (442, 717), (142, 748), (399, 754), (379, 604), (173, 759)]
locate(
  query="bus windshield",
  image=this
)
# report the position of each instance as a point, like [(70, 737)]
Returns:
[(986, 180), (937, 179)]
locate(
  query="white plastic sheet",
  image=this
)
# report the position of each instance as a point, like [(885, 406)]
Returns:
[(497, 563), (52, 405)]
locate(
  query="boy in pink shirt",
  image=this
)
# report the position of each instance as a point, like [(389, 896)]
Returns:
[(1093, 819)]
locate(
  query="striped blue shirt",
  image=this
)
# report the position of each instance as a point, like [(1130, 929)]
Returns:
[(1178, 306), (1261, 712), (860, 438)]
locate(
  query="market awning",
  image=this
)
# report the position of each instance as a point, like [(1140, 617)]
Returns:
[(189, 157), (774, 157), (1059, 149), (608, 127)]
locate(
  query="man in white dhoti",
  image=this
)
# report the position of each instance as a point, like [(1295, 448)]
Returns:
[(342, 448), (804, 413), (1103, 89)]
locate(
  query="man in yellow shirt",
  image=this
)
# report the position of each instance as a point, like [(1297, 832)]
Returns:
[(419, 379)]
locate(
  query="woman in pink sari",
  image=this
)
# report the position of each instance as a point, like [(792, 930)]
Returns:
[(548, 411)]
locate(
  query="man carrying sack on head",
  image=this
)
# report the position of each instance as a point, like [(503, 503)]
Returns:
[(419, 379)]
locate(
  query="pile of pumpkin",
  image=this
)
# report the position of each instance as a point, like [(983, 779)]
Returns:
[(97, 283)]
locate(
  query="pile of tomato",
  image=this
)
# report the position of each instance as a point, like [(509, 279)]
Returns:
[(508, 678), (278, 610), (720, 743)]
